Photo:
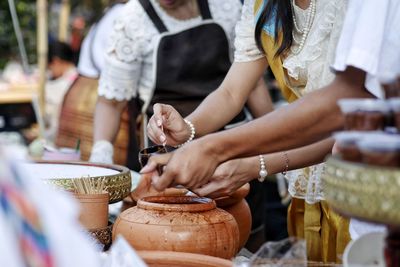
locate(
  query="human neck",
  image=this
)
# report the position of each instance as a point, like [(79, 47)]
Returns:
[(303, 4), (181, 10)]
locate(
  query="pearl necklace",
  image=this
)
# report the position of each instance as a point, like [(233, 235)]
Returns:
[(306, 29)]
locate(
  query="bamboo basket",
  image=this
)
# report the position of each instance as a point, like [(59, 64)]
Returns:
[(76, 121)]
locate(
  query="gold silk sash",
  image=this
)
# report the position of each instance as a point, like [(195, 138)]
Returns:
[(275, 63)]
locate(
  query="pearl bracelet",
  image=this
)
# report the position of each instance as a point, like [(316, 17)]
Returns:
[(263, 171), (192, 132)]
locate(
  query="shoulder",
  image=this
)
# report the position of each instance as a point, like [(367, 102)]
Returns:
[(133, 20)]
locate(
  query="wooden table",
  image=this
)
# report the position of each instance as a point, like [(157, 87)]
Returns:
[(14, 94)]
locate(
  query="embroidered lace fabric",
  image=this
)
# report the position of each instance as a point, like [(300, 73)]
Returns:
[(309, 71), (129, 58), (306, 72)]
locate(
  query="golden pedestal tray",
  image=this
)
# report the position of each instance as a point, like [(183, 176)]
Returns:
[(369, 193), (60, 173), (361, 191)]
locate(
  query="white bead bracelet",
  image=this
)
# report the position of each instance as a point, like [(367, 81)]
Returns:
[(192, 132)]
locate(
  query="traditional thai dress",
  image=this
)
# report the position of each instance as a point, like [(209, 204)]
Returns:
[(298, 74)]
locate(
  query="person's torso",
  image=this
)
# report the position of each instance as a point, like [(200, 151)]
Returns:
[(303, 71), (144, 36), (310, 68)]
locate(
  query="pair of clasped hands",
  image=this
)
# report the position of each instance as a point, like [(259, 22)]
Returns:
[(195, 165)]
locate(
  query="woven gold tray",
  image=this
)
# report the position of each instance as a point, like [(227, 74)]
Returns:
[(362, 191), (118, 185)]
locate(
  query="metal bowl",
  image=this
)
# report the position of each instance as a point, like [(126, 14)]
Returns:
[(117, 179)]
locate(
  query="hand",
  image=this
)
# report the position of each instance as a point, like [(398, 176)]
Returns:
[(102, 152), (167, 119), (229, 177), (191, 166)]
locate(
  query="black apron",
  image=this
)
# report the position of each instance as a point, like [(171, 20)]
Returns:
[(189, 64)]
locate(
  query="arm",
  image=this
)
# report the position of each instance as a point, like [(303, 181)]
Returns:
[(240, 81), (259, 101), (231, 175), (106, 125), (107, 119), (301, 123), (307, 120)]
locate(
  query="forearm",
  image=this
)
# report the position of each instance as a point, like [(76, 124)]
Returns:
[(298, 158), (259, 101), (107, 119), (308, 120), (220, 107)]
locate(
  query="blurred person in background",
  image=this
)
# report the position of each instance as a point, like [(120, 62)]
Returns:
[(63, 73)]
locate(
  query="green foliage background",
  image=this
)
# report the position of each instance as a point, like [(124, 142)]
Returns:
[(26, 11)]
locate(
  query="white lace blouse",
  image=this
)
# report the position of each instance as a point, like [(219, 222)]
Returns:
[(305, 72), (129, 59)]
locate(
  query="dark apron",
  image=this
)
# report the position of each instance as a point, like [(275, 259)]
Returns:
[(190, 64)]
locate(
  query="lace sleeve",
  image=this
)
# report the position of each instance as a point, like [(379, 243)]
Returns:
[(123, 59), (245, 45)]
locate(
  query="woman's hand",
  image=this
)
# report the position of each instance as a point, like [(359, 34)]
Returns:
[(102, 152), (167, 126), (190, 166), (229, 177)]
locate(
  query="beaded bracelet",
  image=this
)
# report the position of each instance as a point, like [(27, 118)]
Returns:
[(192, 132), (263, 171), (286, 164)]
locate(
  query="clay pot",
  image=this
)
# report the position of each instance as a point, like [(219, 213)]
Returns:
[(181, 259), (93, 210), (179, 223), (236, 205), (130, 201)]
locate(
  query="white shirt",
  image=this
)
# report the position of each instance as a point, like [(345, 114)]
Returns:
[(91, 57), (370, 41), (55, 92), (129, 58)]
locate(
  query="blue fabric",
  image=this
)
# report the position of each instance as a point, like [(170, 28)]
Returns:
[(269, 26)]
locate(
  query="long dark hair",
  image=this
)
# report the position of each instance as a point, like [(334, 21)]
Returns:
[(283, 22)]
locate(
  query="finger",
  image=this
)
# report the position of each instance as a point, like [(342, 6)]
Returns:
[(207, 189), (161, 112), (155, 132), (166, 179), (155, 161)]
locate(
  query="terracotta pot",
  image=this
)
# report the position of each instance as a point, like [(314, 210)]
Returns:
[(145, 189), (181, 259), (236, 205), (94, 210), (130, 201), (179, 223)]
